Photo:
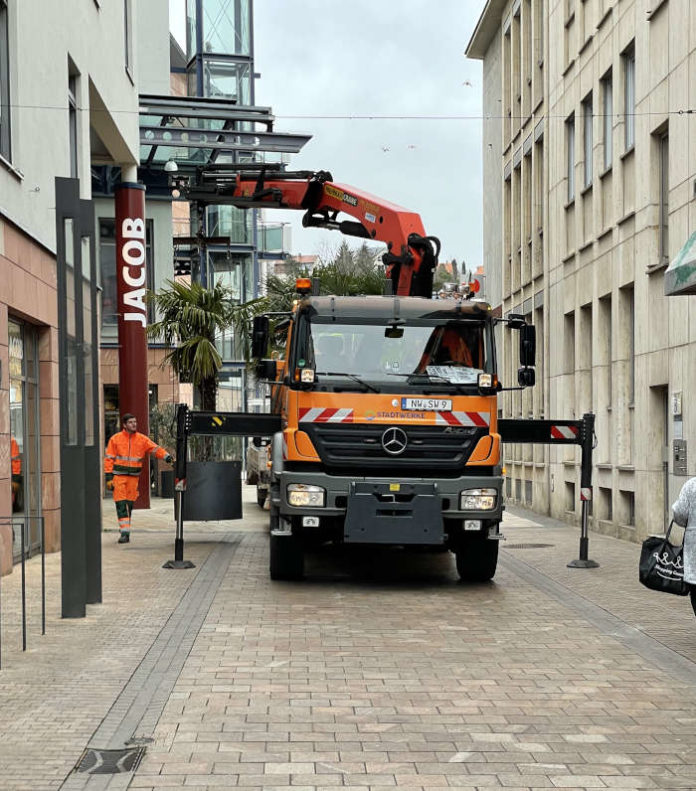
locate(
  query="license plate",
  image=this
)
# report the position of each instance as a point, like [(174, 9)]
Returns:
[(427, 404)]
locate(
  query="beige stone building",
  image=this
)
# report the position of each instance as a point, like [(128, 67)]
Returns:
[(596, 180)]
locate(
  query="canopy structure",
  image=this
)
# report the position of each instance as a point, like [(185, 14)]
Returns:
[(680, 277), (195, 132)]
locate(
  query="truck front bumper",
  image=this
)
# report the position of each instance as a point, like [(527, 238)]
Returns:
[(392, 510)]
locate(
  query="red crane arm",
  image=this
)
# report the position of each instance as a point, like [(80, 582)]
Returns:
[(411, 256)]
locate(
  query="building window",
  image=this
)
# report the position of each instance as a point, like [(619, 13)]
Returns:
[(628, 338), (226, 26), (605, 502), (663, 143), (628, 508), (570, 496), (4, 82), (586, 25), (605, 337), (72, 124), (539, 31), (570, 157), (507, 86), (629, 66), (127, 37), (607, 119), (569, 343), (587, 117)]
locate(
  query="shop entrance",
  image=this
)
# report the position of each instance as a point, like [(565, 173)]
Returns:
[(24, 437)]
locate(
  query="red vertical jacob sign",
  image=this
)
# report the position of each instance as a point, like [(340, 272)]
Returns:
[(131, 285)]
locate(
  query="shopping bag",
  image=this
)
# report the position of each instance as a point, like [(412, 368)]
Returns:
[(661, 565)]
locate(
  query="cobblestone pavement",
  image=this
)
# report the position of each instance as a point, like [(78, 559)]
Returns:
[(375, 673)]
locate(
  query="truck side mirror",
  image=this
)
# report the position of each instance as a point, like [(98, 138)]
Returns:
[(526, 377), (527, 345), (259, 337), (267, 369)]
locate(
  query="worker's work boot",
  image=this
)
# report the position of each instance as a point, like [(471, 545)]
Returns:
[(124, 538)]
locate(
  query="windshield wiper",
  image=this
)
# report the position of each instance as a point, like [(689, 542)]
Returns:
[(424, 375), (349, 376)]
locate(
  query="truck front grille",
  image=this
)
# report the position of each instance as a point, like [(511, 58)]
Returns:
[(428, 448)]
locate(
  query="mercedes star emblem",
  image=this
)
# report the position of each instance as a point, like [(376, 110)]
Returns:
[(394, 441)]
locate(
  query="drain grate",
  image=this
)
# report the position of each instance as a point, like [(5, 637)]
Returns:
[(526, 546), (110, 762)]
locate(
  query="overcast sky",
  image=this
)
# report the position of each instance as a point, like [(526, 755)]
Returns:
[(319, 58)]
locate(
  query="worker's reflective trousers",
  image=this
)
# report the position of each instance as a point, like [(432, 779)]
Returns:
[(125, 494)]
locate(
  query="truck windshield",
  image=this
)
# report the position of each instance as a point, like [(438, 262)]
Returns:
[(453, 351)]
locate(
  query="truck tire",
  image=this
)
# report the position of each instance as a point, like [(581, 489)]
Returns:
[(286, 557), (477, 559)]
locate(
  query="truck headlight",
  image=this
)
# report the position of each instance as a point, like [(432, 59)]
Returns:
[(301, 494), (478, 499)]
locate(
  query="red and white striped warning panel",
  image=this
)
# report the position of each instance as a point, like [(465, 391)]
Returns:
[(322, 415), (481, 419), (564, 432), (586, 493)]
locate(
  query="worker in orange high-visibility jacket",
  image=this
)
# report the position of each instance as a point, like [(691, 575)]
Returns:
[(16, 469), (123, 463)]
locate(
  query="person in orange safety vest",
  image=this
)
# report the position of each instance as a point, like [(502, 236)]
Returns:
[(123, 463), (16, 457)]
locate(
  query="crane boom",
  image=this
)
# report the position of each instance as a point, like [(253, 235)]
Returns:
[(411, 256)]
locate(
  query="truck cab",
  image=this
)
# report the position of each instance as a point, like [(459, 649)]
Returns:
[(389, 415)]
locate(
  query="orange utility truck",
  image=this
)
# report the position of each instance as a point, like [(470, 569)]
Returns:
[(388, 404)]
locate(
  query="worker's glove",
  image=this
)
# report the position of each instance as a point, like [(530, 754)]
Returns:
[(109, 482), (169, 459)]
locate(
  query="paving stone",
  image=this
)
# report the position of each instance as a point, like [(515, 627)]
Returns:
[(392, 675)]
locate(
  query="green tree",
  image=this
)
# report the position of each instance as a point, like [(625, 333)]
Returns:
[(345, 272), (351, 272), (191, 319)]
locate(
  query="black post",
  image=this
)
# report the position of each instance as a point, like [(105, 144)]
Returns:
[(43, 576), (1, 604), (585, 492), (182, 429), (24, 588)]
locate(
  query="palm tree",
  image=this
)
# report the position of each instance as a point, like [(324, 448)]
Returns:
[(191, 318)]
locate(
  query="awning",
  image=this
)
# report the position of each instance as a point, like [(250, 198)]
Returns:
[(194, 132), (680, 277)]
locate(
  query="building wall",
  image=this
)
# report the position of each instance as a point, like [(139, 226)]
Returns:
[(492, 157), (48, 42), (44, 39), (616, 207), (633, 347), (514, 155), (28, 272)]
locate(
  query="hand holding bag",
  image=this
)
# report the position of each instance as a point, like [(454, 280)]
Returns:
[(661, 565)]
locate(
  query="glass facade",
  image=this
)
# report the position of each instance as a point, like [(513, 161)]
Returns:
[(4, 83), (220, 66), (232, 222), (227, 26), (222, 78), (24, 436)]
